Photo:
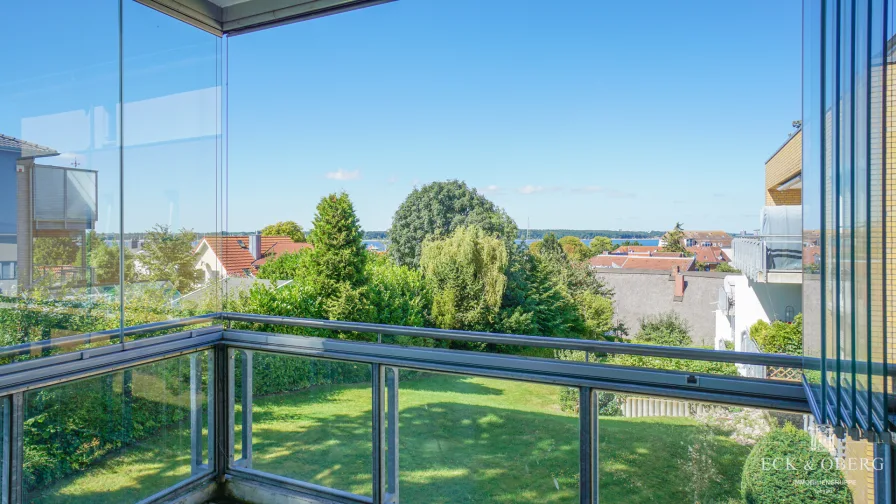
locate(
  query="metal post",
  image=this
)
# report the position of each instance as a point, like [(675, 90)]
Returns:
[(247, 409), (195, 414), (223, 410), (588, 445), (4, 477), (392, 435), (127, 390), (211, 408), (16, 447), (379, 417)]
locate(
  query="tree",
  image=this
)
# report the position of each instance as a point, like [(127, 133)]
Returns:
[(551, 247), (673, 240), (600, 244), (286, 266), (574, 249), (54, 251), (106, 264), (725, 267), (285, 228), (465, 273), (338, 254), (168, 256), (536, 304), (628, 243), (436, 210)]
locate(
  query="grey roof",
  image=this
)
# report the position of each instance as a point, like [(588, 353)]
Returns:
[(25, 149)]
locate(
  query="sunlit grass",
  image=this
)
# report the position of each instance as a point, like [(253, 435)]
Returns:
[(462, 439)]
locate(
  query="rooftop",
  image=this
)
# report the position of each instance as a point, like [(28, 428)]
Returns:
[(25, 149)]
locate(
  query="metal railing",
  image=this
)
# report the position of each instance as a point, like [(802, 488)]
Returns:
[(757, 256), (225, 341)]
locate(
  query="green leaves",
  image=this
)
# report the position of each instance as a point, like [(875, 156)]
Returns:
[(168, 256), (285, 228), (339, 254), (435, 211), (465, 271), (779, 336)]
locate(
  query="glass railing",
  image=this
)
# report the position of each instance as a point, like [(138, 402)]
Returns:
[(360, 420)]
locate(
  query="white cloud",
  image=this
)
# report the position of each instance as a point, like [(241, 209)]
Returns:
[(341, 174), (533, 189), (491, 189)]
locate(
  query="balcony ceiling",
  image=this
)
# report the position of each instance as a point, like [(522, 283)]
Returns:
[(233, 17)]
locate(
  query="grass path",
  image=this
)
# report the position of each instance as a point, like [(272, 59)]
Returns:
[(462, 439)]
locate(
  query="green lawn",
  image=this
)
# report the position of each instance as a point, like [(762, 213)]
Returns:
[(462, 439)]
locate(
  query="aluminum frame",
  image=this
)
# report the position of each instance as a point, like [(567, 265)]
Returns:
[(385, 360)]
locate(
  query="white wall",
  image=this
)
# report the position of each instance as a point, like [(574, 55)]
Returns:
[(753, 302), (208, 262)]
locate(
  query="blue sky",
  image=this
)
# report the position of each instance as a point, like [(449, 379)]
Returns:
[(600, 115)]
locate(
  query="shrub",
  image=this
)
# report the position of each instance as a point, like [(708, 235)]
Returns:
[(667, 329), (607, 402), (763, 483), (779, 337)]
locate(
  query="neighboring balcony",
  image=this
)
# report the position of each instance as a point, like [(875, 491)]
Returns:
[(769, 258)]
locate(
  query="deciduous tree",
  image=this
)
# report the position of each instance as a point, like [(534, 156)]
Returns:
[(600, 244), (436, 210), (168, 256), (285, 228)]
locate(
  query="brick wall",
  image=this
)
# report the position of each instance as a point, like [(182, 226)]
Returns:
[(783, 166)]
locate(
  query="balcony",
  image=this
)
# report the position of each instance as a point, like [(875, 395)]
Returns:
[(769, 258), (357, 420)]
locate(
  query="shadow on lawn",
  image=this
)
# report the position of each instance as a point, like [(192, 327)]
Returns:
[(155, 464), (451, 451)]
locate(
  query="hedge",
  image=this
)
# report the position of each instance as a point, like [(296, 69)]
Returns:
[(811, 476)]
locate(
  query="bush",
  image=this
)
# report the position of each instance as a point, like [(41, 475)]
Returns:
[(763, 483), (607, 402), (667, 329), (779, 337), (691, 366)]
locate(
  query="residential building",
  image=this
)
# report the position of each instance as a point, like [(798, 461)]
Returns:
[(240, 256), (719, 239), (709, 257), (643, 262), (783, 173)]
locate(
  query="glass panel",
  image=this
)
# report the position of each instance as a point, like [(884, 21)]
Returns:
[(59, 172), (119, 437), (312, 421), (845, 222), (829, 238), (861, 232), (881, 31), (813, 131), (172, 175), (486, 440), (654, 449)]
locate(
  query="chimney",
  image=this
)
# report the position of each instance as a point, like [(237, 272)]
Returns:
[(678, 294), (255, 246)]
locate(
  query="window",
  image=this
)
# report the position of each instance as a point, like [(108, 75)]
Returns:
[(7, 271)]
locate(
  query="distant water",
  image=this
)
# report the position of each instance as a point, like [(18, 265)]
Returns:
[(649, 242), (376, 244)]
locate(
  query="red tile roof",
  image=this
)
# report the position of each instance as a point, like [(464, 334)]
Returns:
[(709, 255), (607, 261), (236, 258), (641, 262), (659, 263), (637, 249)]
